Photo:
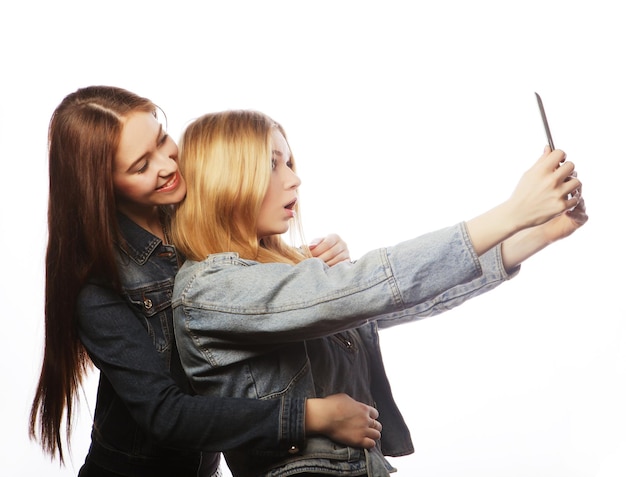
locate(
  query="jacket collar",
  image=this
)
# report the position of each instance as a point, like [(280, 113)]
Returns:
[(137, 243)]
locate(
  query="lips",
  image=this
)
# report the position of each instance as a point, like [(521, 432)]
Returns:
[(291, 204), (171, 184)]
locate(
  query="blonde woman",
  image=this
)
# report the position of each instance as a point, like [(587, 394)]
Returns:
[(255, 317)]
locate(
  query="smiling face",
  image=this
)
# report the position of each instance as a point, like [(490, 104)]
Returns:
[(277, 208), (145, 170)]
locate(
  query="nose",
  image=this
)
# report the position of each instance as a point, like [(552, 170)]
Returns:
[(292, 181), (168, 161)]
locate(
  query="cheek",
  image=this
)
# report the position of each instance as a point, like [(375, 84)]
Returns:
[(126, 189), (272, 194), (263, 211)]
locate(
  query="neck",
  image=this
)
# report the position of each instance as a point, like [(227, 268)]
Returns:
[(149, 219)]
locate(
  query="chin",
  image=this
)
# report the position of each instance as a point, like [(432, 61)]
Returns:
[(273, 233), (177, 198)]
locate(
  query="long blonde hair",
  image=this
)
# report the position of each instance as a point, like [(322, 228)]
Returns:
[(225, 158)]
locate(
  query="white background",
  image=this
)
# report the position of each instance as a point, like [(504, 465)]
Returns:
[(404, 117)]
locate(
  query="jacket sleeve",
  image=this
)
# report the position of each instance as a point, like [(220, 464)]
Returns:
[(225, 301), (493, 275), (120, 347)]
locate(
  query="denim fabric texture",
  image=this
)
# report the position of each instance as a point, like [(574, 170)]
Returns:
[(268, 331), (147, 421)]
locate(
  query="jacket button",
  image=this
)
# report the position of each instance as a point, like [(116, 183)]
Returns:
[(293, 450), (147, 303)]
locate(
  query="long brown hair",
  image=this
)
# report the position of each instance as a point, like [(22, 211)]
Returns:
[(225, 158), (83, 137)]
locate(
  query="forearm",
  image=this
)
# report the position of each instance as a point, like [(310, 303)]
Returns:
[(523, 245), (530, 241), (491, 228)]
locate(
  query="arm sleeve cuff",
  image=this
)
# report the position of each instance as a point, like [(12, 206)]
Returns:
[(292, 419)]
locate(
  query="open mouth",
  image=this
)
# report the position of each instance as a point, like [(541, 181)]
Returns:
[(291, 204), (173, 182)]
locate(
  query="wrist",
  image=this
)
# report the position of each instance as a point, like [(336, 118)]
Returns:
[(313, 416), (492, 227)]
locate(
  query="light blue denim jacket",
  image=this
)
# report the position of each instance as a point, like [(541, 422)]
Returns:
[(268, 331)]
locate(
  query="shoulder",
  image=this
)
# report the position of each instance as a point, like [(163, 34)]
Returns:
[(215, 266)]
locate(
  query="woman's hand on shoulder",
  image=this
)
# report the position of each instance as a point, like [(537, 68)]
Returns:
[(331, 249)]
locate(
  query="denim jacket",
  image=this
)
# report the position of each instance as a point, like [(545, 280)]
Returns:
[(267, 331), (147, 422)]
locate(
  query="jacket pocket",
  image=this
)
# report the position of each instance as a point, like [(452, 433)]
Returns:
[(153, 303), (285, 371)]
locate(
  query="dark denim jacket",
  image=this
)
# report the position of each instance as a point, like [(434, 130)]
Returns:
[(273, 330), (147, 422)]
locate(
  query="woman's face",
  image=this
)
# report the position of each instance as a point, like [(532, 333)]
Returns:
[(145, 170), (282, 193)]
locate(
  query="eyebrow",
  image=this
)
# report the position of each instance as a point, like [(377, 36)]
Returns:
[(280, 154), (146, 154)]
